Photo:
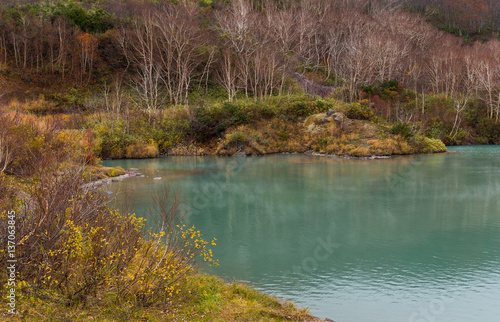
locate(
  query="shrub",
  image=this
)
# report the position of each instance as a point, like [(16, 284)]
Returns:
[(403, 129), (383, 147), (299, 109), (404, 147), (283, 136), (360, 152), (306, 107), (236, 114), (27, 149), (438, 130), (141, 151), (359, 112), (41, 106), (433, 145), (490, 130), (172, 130), (457, 138), (237, 137), (77, 249), (429, 145), (208, 122), (322, 142), (114, 138), (93, 21), (92, 146)]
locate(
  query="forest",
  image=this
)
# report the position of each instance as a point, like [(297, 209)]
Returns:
[(431, 66)]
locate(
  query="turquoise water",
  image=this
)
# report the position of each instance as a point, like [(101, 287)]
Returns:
[(412, 238)]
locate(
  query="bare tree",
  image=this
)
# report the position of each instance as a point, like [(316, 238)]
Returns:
[(139, 47), (179, 42), (166, 45), (486, 70), (227, 73)]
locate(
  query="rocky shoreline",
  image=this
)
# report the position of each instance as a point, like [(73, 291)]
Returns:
[(132, 172)]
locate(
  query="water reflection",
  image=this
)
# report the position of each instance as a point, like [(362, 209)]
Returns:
[(399, 233)]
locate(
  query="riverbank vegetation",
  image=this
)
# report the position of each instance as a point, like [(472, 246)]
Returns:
[(140, 78), (78, 259)]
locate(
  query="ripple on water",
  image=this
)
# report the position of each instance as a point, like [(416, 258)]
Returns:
[(412, 234)]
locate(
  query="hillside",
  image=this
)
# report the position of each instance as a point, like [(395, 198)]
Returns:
[(121, 70)]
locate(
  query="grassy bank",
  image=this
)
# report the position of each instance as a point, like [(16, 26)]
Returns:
[(288, 124), (208, 299)]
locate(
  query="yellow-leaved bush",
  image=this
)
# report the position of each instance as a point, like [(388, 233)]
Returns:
[(77, 249)]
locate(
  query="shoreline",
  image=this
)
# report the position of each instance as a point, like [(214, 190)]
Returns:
[(132, 172)]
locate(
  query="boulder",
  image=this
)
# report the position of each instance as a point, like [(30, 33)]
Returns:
[(321, 122), (339, 117)]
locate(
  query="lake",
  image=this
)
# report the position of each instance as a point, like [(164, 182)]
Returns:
[(410, 238)]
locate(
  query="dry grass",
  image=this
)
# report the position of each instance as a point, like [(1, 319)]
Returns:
[(141, 151), (208, 299)]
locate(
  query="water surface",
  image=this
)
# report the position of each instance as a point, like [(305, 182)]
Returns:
[(404, 239)]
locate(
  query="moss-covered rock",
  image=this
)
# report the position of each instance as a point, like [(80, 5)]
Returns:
[(114, 172)]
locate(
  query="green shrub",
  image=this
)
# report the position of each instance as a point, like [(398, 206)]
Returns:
[(306, 106), (359, 112), (457, 138), (438, 130), (402, 128), (429, 145), (171, 130), (209, 122), (114, 138), (235, 114), (299, 109), (92, 21), (489, 129), (237, 137), (433, 145), (322, 142), (283, 136), (386, 90)]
